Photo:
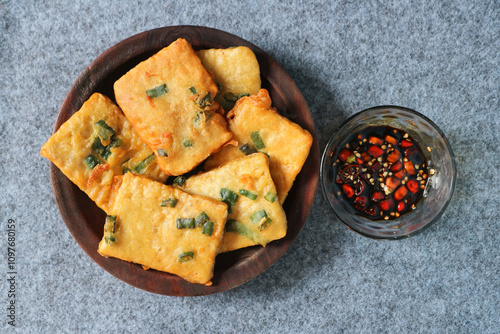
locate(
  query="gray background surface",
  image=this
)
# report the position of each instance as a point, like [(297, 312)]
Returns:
[(438, 57)]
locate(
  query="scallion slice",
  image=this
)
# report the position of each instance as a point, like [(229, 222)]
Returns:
[(247, 149), (157, 91), (91, 161), (105, 131), (192, 89), (179, 180), (185, 223), (205, 101), (257, 140), (257, 216), (208, 228), (144, 163), (109, 230), (228, 196), (265, 223), (185, 256), (98, 147), (235, 226), (248, 194), (187, 143), (170, 202), (202, 218), (270, 196)]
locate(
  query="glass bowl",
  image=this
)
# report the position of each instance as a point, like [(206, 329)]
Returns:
[(439, 187)]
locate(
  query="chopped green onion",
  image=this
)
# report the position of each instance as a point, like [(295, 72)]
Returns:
[(257, 140), (197, 119), (187, 143), (109, 230), (111, 220), (205, 101), (98, 147), (171, 202), (208, 228), (265, 223), (161, 152), (105, 131), (110, 240), (185, 256), (185, 223), (192, 89), (248, 194), (144, 163), (237, 227), (228, 196), (257, 216), (179, 180), (270, 196), (201, 219), (157, 91), (247, 149), (91, 161)]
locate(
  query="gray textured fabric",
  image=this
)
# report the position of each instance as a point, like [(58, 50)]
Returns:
[(440, 58)]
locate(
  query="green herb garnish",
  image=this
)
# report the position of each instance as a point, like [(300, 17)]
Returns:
[(237, 227), (247, 149), (109, 230), (257, 216), (98, 147), (157, 91), (105, 131), (201, 219), (192, 89), (205, 101), (187, 143), (257, 140), (185, 256), (248, 194), (265, 223), (185, 223), (170, 202), (228, 196), (179, 180), (208, 228), (270, 196), (91, 161), (144, 163)]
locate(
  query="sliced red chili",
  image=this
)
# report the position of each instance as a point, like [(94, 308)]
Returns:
[(344, 154), (412, 186), (350, 173), (349, 192), (375, 151)]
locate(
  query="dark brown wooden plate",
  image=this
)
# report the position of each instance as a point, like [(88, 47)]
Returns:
[(85, 220)]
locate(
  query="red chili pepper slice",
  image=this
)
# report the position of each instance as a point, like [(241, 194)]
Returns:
[(375, 151), (412, 186), (406, 143), (349, 192), (344, 154), (350, 173)]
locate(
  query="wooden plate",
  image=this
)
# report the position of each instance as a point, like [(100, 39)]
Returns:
[(85, 220)]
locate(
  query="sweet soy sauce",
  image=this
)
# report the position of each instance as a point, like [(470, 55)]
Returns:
[(381, 171)]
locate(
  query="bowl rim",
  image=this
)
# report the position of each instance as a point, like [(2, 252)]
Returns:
[(373, 109)]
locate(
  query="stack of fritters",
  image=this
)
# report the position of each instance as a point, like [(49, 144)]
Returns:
[(176, 109)]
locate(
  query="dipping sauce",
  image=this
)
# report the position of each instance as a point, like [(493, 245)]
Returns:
[(381, 171)]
